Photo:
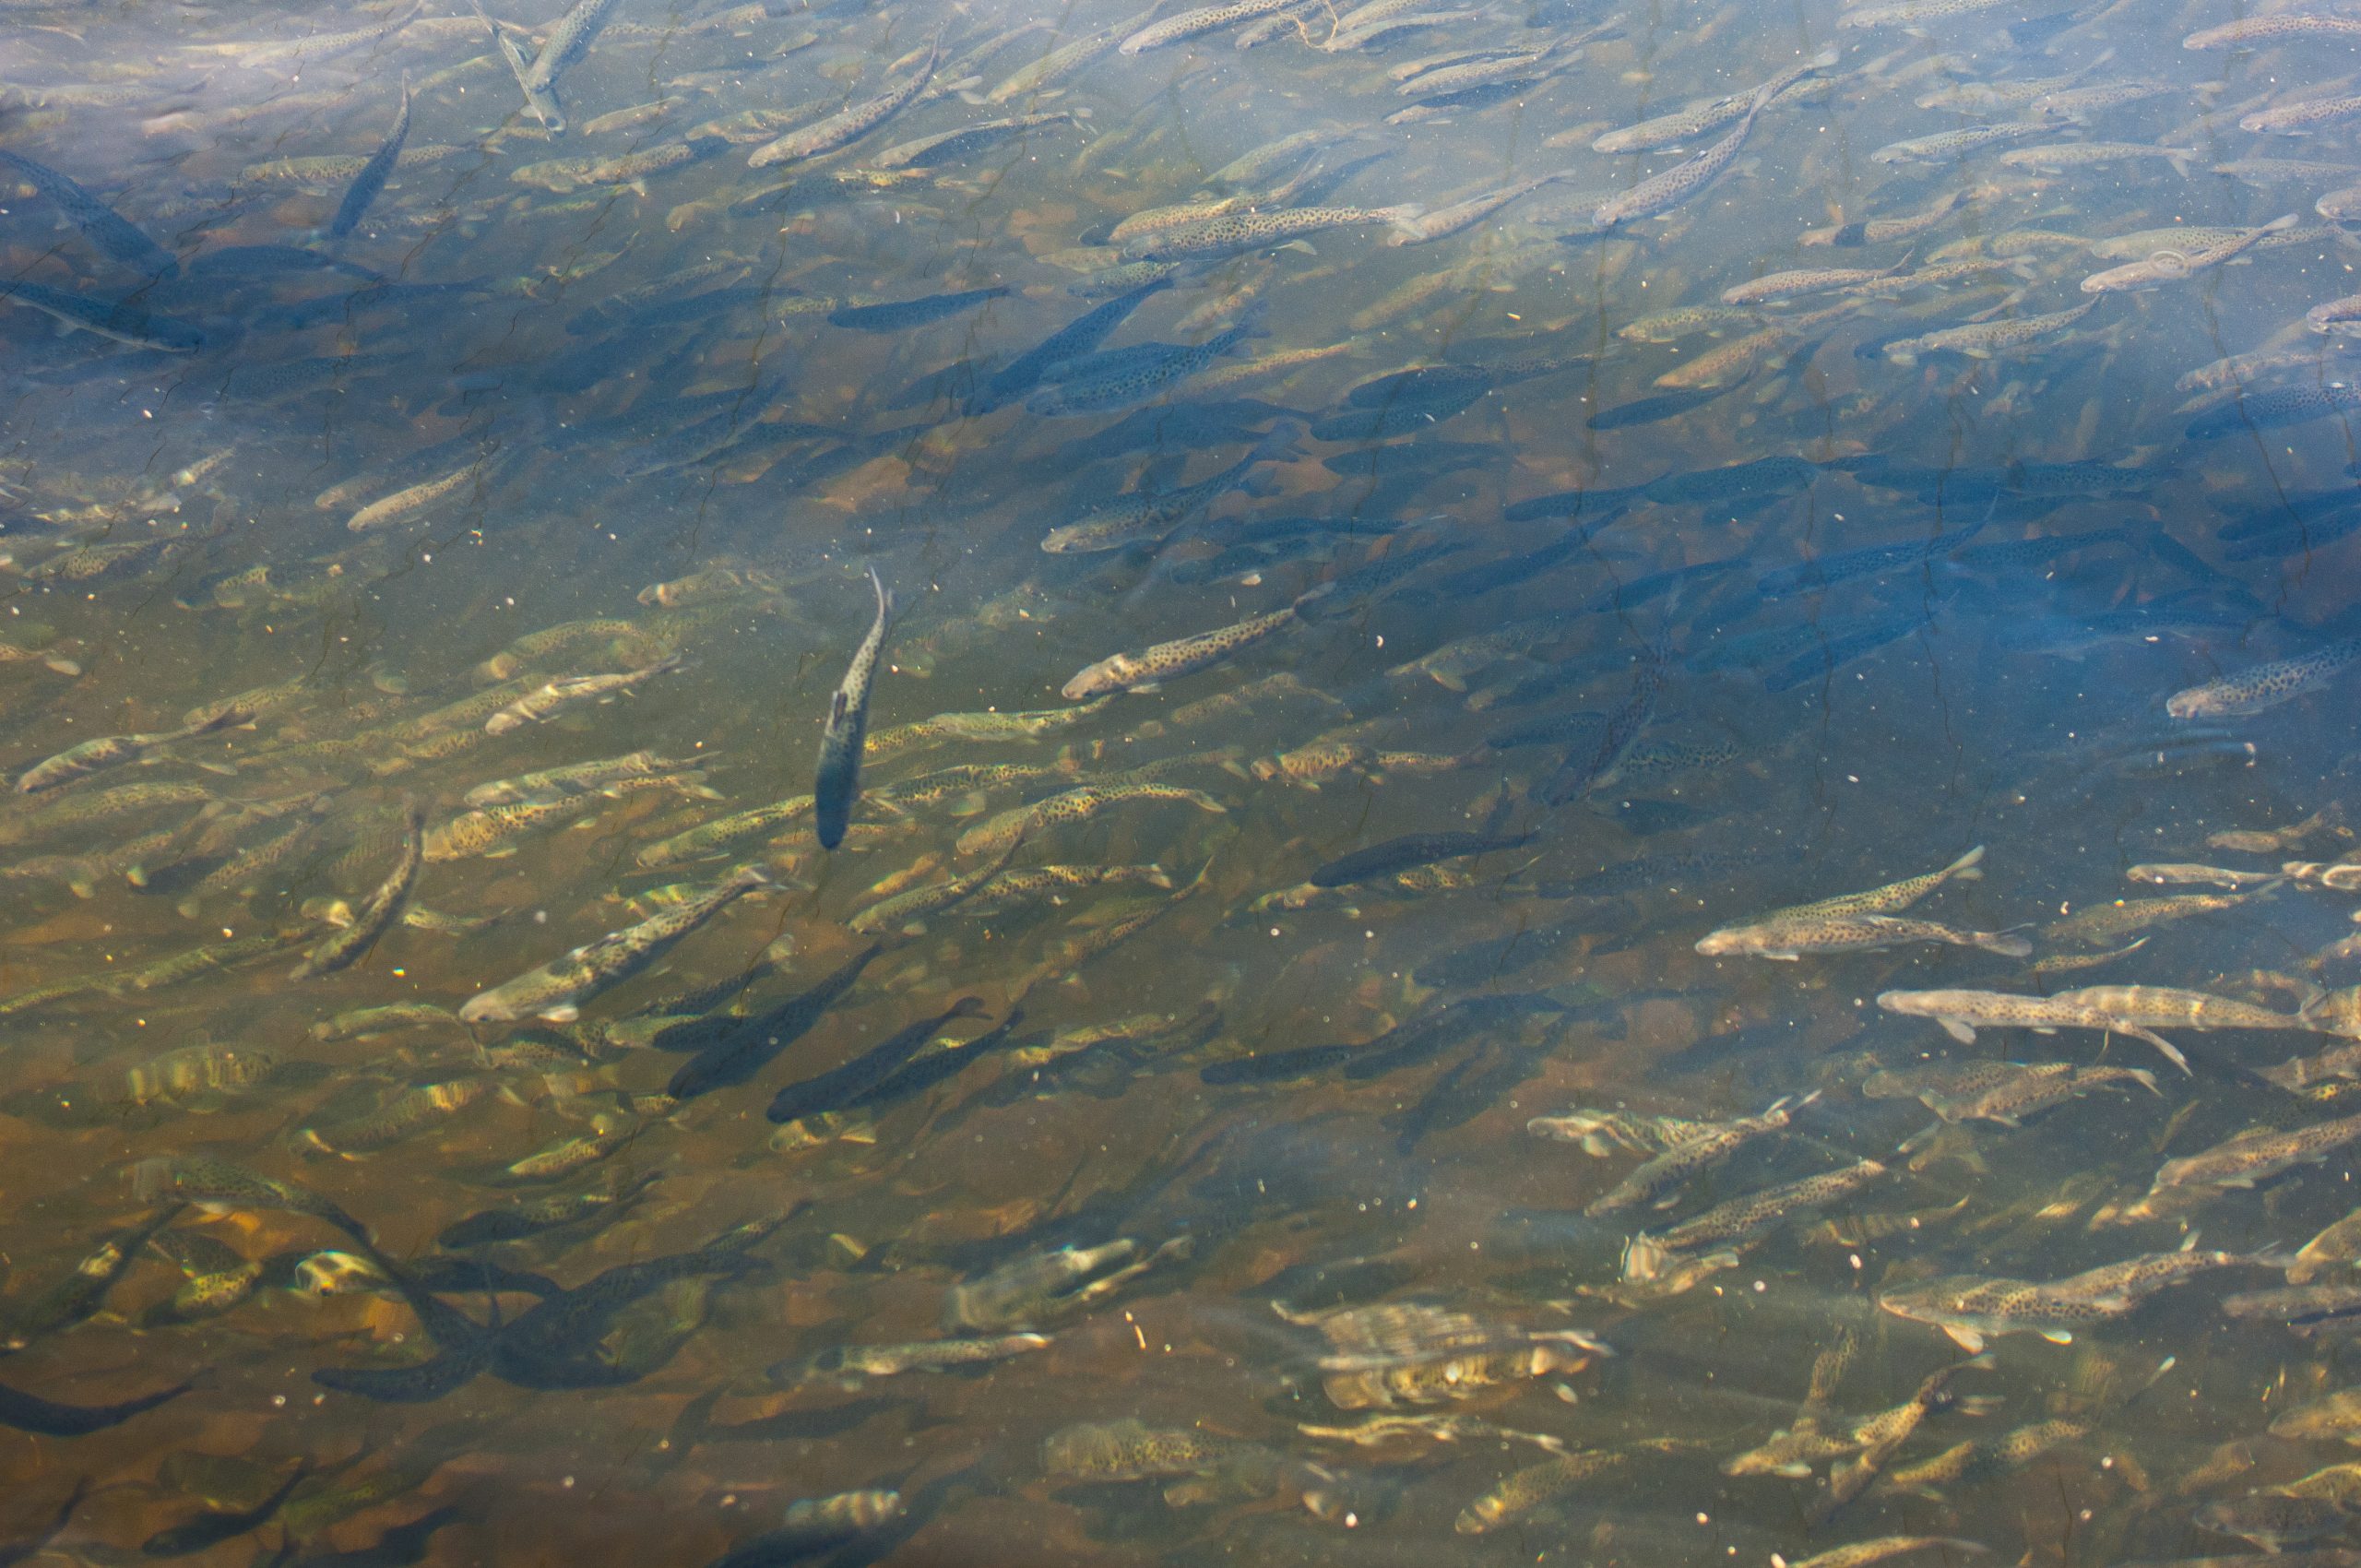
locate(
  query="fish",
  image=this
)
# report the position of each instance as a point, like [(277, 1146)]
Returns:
[(847, 125), (115, 235), (949, 147), (754, 1039), (214, 1527), (849, 1366), (2171, 265), (998, 835), (218, 1186), (49, 1418), (1661, 192), (1068, 59), (409, 503), (1185, 24), (2265, 686), (2242, 1160), (555, 990), (92, 756), (2184, 875), (1120, 378), (2005, 1092), (1695, 1150), (837, 781), (1740, 1220), (1859, 1554), (1235, 233), (79, 1294), (1791, 938), (1529, 1488), (378, 912), (1150, 518), (1962, 1013), (1943, 147), (1023, 374), (842, 1084), (1971, 1310), (123, 321), (369, 181), (1775, 286), (1149, 668), (2106, 922), (1413, 849), (552, 697), (2280, 28), (2273, 1520), (395, 1119)]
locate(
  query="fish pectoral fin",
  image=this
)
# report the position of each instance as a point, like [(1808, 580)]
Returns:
[(566, 1013), (1959, 1029), (2057, 1336), (1964, 1338)]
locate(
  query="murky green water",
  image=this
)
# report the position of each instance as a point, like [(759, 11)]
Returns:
[(1322, 1040)]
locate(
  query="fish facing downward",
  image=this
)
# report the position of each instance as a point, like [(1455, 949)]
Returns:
[(837, 783)]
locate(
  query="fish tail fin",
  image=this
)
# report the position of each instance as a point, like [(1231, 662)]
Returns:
[(1968, 868)]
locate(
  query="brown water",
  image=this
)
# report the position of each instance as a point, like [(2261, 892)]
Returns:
[(627, 385)]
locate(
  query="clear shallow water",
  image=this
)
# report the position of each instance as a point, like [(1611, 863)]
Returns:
[(655, 414)]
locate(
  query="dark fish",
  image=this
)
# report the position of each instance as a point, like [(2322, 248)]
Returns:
[(28, 1412), (1428, 459), (1504, 573), (2294, 538), (379, 911), (896, 314), (837, 783), (1557, 729), (1276, 1066), (400, 1546), (932, 1069), (554, 1344), (1016, 380), (1608, 503), (1403, 416), (1650, 411), (759, 1038), (1168, 427), (1340, 595), (844, 1084), (534, 1216), (1465, 1090), (414, 1384), (1481, 962), (264, 260), (1655, 586), (15, 1551), (214, 1527), (2274, 409), (80, 1294), (1586, 765), (1826, 661), (374, 173), (1423, 383), (453, 1276), (121, 320), (100, 224), (1868, 561), (1428, 1035)]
